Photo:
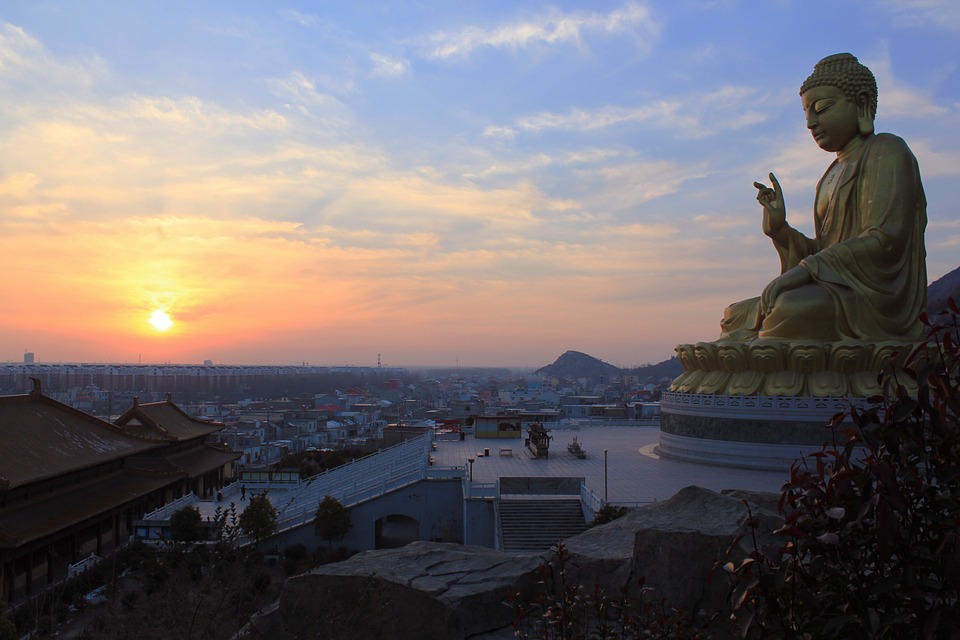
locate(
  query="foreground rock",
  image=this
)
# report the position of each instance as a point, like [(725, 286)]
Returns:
[(672, 545), (424, 591), (444, 591)]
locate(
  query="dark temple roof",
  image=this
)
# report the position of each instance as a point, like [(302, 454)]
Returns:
[(163, 421), (42, 438)]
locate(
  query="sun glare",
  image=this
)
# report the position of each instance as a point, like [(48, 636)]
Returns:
[(160, 320)]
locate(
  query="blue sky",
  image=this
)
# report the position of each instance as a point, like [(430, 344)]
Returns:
[(488, 183)]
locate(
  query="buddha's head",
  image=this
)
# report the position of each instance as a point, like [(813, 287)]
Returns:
[(840, 101)]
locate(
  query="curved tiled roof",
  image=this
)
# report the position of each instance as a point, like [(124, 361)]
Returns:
[(163, 420), (43, 438)]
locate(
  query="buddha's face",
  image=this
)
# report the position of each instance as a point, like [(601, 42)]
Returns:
[(831, 117)]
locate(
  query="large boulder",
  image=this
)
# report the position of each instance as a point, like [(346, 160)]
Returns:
[(674, 545), (429, 590), (423, 591)]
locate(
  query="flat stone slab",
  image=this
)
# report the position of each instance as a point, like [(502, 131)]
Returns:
[(423, 591)]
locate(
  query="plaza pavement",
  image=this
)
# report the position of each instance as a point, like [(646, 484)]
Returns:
[(635, 473)]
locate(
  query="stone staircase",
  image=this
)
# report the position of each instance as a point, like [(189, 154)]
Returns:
[(536, 525)]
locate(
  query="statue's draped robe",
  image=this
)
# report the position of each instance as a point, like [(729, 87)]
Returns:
[(867, 262)]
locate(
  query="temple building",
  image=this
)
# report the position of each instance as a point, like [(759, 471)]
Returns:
[(72, 485)]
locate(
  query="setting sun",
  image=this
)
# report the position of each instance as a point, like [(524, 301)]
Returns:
[(160, 320)]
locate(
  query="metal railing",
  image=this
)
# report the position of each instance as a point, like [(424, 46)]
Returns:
[(167, 510), (359, 480), (590, 500)]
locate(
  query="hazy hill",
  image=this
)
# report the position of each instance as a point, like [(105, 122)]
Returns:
[(939, 291), (655, 372), (574, 364)]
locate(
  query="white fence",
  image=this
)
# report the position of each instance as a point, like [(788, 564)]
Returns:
[(360, 480)]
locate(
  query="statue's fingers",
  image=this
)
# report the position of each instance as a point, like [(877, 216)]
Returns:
[(776, 184)]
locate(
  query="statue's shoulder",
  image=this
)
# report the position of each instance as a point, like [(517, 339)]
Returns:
[(887, 148), (888, 142)]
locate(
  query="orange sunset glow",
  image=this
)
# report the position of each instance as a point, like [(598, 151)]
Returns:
[(248, 184)]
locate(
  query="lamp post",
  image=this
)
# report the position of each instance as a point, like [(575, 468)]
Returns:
[(470, 460), (604, 476)]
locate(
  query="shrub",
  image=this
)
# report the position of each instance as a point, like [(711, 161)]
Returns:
[(186, 525), (608, 513), (259, 519), (871, 541)]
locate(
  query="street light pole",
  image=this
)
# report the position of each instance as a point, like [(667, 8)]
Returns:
[(604, 476)]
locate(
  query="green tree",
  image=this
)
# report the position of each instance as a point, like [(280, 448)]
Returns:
[(186, 525), (332, 520), (259, 519)]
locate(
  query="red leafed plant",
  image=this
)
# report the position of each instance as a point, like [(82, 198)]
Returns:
[(870, 547)]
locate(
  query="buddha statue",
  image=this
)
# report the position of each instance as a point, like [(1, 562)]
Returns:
[(862, 277)]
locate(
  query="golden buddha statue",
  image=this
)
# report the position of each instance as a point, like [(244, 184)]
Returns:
[(863, 275), (847, 302)]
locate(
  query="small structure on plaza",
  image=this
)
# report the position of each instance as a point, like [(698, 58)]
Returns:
[(576, 448), (538, 440), (845, 307)]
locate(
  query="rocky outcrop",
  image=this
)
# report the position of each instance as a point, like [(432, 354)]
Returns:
[(672, 545), (444, 591), (423, 591)]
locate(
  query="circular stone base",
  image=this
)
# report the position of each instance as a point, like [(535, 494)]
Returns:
[(757, 432)]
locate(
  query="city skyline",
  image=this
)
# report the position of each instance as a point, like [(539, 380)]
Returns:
[(475, 184)]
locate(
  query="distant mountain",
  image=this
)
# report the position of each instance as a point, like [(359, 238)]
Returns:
[(942, 289), (574, 364), (655, 372)]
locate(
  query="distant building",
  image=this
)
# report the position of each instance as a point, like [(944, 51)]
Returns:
[(28, 357), (501, 426)]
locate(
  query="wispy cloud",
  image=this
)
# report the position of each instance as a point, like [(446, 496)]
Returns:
[(726, 108), (302, 19), (388, 67), (554, 28), (944, 14), (25, 61), (898, 99)]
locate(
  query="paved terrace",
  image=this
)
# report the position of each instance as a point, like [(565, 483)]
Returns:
[(635, 474)]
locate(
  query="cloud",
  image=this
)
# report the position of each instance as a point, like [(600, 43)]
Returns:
[(29, 66), (552, 29), (302, 19), (934, 162), (623, 187), (726, 108), (303, 93), (388, 67), (500, 131), (898, 99), (943, 14)]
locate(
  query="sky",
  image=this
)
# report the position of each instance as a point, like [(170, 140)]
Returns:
[(474, 183)]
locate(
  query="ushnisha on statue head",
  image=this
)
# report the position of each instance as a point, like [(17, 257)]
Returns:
[(841, 81)]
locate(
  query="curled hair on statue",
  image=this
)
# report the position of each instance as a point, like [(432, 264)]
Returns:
[(844, 71)]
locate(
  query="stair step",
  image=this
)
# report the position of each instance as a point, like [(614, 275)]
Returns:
[(534, 525)]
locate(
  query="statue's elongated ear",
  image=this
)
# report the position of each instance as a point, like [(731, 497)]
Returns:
[(864, 112)]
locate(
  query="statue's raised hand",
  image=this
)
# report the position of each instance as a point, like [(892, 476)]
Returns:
[(774, 209)]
